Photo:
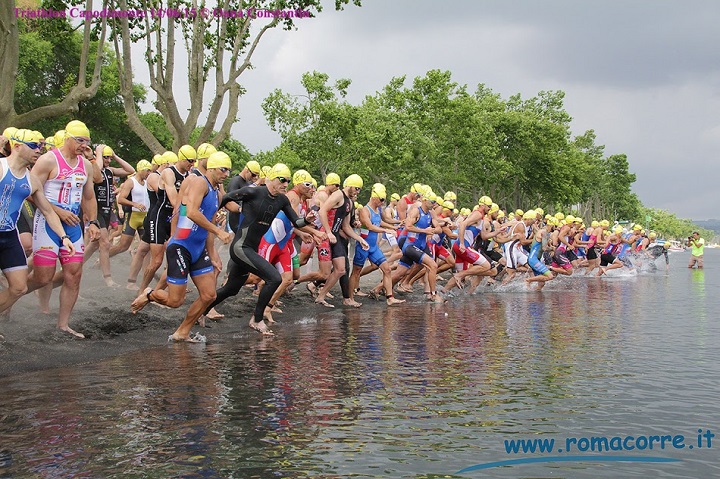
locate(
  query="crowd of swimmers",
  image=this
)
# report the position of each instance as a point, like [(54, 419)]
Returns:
[(281, 229)]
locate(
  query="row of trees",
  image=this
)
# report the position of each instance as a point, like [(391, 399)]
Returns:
[(518, 151)]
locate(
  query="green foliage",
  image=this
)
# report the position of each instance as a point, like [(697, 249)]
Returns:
[(669, 226), (49, 57), (520, 152)]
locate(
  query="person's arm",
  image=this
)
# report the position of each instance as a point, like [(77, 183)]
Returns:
[(167, 181), (350, 233), (125, 169), (402, 209), (366, 221), (89, 206), (124, 193), (194, 192), (292, 215), (387, 217), (53, 220), (472, 218), (486, 233), (325, 207)]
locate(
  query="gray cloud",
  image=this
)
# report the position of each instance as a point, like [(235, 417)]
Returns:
[(645, 75)]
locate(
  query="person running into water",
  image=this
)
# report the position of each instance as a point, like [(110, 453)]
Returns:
[(18, 184), (104, 198), (64, 174), (373, 226), (336, 215), (191, 249), (260, 205)]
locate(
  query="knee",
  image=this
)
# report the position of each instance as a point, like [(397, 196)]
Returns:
[(175, 302), (17, 291), (208, 297), (274, 281)]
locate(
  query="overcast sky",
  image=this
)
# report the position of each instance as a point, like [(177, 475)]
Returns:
[(645, 75)]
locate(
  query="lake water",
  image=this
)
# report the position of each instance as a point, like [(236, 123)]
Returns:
[(402, 392)]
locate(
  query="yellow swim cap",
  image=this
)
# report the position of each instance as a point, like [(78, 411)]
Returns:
[(25, 136), (485, 200), (9, 132), (279, 170), (107, 151), (301, 176), (205, 150), (395, 197), (143, 165), (254, 167), (159, 160), (170, 157), (219, 159), (378, 191), (187, 152), (450, 196), (539, 211), (332, 179), (77, 128), (353, 180), (519, 212)]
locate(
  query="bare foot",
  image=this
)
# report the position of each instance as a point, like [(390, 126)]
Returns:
[(391, 301), (141, 301), (351, 302), (214, 315), (260, 327), (132, 287), (312, 289), (324, 303), (436, 299), (329, 296), (267, 315), (360, 294), (68, 329), (180, 339), (275, 309), (110, 283)]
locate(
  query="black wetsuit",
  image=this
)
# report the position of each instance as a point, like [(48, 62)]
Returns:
[(236, 182), (340, 248), (157, 221), (104, 198), (259, 209)]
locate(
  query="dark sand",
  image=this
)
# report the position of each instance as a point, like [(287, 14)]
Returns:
[(102, 314)]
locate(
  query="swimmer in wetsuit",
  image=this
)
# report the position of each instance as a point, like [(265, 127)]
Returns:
[(259, 206)]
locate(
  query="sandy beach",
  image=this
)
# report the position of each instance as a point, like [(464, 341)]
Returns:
[(102, 314)]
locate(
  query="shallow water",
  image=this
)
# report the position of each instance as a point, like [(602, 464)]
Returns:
[(398, 392)]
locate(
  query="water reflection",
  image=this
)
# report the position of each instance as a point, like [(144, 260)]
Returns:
[(378, 392)]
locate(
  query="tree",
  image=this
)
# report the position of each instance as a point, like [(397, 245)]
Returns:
[(80, 88), (223, 45)]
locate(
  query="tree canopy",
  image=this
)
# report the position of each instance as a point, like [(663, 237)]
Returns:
[(518, 151)]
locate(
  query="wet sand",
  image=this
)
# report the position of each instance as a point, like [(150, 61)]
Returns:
[(102, 314)]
